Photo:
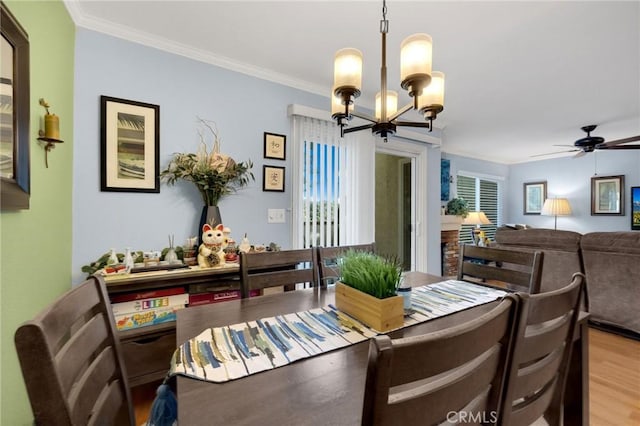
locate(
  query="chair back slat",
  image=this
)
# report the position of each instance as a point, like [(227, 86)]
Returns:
[(329, 257), (447, 354), (451, 393), (515, 270), (83, 396), (275, 269), (78, 349), (464, 369), (541, 354), (71, 360)]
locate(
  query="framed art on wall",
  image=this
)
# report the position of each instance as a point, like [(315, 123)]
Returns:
[(273, 178), (130, 146), (275, 146), (534, 195), (607, 195), (15, 165), (635, 208)]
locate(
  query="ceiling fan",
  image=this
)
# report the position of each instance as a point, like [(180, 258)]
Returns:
[(591, 143)]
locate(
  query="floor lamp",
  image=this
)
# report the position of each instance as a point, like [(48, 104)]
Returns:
[(556, 207), (477, 219)]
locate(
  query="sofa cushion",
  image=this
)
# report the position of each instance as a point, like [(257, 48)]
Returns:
[(541, 238), (561, 252), (612, 267)]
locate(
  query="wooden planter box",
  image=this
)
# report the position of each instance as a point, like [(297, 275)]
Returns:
[(380, 314)]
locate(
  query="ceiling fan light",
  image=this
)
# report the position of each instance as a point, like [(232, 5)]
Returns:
[(415, 63), (392, 104), (347, 72), (431, 101)]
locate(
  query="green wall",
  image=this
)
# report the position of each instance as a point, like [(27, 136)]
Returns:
[(35, 249)]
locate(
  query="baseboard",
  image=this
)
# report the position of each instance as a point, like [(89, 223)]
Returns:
[(615, 330)]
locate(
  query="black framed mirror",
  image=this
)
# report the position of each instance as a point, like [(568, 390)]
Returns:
[(15, 185)]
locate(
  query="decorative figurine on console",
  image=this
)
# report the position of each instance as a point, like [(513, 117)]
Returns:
[(211, 251)]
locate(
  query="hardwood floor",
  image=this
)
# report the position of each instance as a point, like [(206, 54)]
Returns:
[(614, 382)]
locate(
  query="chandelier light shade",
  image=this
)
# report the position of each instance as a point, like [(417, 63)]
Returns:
[(556, 207), (425, 86), (347, 72), (431, 102), (392, 103), (336, 105), (415, 63)]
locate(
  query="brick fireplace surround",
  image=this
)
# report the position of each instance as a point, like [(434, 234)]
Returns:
[(450, 253)]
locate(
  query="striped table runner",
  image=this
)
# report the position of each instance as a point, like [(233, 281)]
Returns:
[(220, 354)]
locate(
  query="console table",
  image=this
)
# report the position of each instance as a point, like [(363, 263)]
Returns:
[(147, 350)]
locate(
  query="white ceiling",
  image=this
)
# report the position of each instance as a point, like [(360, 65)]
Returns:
[(520, 76)]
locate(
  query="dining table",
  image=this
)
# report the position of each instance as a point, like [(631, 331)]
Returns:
[(326, 389)]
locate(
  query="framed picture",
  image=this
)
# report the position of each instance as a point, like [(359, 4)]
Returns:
[(607, 195), (15, 173), (275, 146), (635, 208), (273, 178), (130, 146), (534, 195)]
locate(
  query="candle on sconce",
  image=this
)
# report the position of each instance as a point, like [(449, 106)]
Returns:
[(51, 126)]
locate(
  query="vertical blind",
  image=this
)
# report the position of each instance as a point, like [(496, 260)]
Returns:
[(321, 162), (481, 195)]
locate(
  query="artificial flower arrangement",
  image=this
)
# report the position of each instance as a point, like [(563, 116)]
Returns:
[(213, 173)]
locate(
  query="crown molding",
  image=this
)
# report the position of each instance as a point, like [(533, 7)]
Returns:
[(160, 43)]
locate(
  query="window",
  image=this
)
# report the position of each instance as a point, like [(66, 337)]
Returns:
[(482, 194)]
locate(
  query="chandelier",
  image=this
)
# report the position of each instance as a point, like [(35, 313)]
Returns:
[(424, 86)]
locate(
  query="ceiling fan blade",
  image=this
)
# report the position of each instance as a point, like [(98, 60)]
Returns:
[(552, 153), (604, 146), (580, 154), (564, 145), (621, 141)]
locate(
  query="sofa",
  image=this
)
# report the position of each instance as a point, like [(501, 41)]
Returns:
[(610, 261)]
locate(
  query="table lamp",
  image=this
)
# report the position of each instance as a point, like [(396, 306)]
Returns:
[(477, 219), (556, 207)]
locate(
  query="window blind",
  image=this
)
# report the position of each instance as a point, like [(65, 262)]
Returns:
[(481, 195), (322, 159)]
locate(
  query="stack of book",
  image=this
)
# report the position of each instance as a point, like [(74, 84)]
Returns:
[(135, 310)]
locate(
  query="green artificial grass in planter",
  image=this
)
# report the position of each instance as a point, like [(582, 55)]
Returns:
[(371, 273)]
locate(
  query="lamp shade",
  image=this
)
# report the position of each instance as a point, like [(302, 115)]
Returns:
[(347, 69), (433, 94), (476, 218), (337, 107), (556, 207), (392, 104), (415, 62)]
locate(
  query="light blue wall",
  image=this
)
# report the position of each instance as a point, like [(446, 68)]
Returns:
[(243, 108), (571, 178)]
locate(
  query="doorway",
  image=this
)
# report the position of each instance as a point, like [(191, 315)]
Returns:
[(394, 207)]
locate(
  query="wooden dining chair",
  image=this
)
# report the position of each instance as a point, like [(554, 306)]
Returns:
[(329, 257), (451, 375), (511, 269), (286, 268), (72, 363), (540, 356)]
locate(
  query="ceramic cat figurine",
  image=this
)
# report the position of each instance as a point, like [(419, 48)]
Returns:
[(211, 251)]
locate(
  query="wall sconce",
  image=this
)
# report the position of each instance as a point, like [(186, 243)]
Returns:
[(51, 134)]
